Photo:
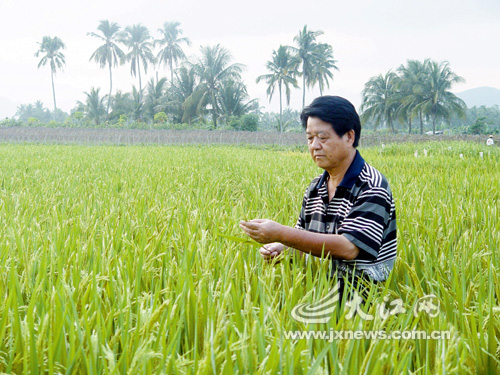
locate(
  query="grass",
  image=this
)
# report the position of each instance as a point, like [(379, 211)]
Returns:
[(111, 262)]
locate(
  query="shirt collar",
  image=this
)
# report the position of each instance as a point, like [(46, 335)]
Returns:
[(350, 176)]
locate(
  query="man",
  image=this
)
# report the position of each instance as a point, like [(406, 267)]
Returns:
[(348, 212), (489, 141)]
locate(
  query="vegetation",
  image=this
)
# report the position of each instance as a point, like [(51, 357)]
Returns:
[(139, 42), (94, 107), (315, 60), (112, 262), (171, 40), (420, 89), (214, 70), (50, 50), (207, 91), (378, 103), (109, 53), (488, 116), (282, 75)]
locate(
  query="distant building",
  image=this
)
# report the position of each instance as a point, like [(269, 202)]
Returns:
[(438, 132)]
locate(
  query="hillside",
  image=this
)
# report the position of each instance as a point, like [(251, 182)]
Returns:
[(487, 96)]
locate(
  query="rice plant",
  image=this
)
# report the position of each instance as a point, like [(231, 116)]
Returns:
[(122, 260)]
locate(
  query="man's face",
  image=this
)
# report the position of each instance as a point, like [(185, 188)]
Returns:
[(327, 149)]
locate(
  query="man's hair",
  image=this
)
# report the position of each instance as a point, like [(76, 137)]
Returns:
[(336, 111)]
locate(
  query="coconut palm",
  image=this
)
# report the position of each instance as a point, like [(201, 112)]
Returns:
[(182, 104), (94, 105), (34, 110), (323, 65), (306, 53), (282, 74), (50, 51), (121, 105), (139, 42), (109, 54), (137, 104), (155, 100), (410, 91), (438, 101), (378, 99), (234, 99), (213, 68), (171, 42)]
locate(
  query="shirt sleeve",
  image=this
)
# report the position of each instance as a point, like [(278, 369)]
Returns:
[(367, 221)]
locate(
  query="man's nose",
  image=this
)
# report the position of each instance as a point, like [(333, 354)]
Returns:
[(316, 144)]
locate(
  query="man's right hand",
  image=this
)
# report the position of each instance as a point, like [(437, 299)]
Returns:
[(271, 250)]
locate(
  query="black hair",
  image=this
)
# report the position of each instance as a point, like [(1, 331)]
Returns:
[(337, 111)]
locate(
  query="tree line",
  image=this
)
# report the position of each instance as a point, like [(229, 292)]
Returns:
[(418, 91), (208, 88)]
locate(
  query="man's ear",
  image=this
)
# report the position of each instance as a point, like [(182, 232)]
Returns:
[(351, 136)]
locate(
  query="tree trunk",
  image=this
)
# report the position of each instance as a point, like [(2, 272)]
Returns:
[(53, 91), (433, 122), (421, 123), (214, 115), (140, 90), (303, 89), (391, 125), (409, 125), (110, 90), (214, 118), (140, 84), (281, 111), (171, 74)]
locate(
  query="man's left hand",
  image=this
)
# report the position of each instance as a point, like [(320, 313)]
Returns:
[(262, 230)]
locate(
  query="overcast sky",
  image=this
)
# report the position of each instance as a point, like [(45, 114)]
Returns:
[(368, 38)]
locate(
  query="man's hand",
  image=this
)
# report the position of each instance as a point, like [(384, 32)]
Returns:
[(262, 230), (271, 251)]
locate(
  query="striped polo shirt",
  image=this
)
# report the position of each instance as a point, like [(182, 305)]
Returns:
[(363, 211)]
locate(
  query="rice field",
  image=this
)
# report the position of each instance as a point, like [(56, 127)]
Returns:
[(113, 260)]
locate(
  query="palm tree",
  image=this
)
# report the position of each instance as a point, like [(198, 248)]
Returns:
[(410, 87), (34, 110), (109, 53), (137, 104), (182, 103), (233, 99), (282, 73), (138, 41), (322, 66), (306, 54), (121, 104), (50, 49), (193, 106), (155, 100), (438, 101), (213, 68), (378, 99), (94, 105), (171, 42)]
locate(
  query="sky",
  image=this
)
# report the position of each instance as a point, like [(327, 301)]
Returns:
[(368, 38)]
